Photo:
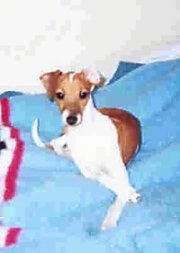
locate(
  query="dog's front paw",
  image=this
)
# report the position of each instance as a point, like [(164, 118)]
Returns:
[(60, 146), (135, 197)]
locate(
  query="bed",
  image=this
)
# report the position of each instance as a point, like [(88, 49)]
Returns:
[(48, 206)]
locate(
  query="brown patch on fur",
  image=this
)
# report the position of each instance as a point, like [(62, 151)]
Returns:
[(49, 81), (54, 79), (71, 92), (128, 130)]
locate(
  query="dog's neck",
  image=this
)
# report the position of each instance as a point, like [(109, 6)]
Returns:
[(90, 112)]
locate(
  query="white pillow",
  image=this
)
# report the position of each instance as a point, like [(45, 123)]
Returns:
[(167, 52)]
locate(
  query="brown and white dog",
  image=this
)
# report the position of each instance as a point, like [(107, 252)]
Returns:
[(100, 141)]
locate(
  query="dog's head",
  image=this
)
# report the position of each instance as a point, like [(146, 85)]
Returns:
[(71, 91)]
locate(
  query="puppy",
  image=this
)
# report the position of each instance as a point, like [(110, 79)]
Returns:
[(100, 141)]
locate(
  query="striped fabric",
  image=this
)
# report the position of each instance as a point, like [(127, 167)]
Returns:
[(10, 160)]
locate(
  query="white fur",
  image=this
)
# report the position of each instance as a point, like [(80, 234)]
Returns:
[(66, 113), (94, 148), (79, 118), (71, 77), (60, 146)]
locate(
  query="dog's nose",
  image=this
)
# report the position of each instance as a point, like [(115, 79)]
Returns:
[(72, 120)]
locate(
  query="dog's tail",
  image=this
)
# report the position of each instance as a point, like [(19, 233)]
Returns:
[(35, 135)]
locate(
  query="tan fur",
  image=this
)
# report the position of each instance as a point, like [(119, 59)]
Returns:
[(71, 99), (128, 130)]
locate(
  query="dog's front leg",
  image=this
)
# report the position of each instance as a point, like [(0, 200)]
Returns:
[(60, 146)]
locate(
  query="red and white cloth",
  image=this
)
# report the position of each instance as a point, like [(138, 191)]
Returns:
[(10, 160)]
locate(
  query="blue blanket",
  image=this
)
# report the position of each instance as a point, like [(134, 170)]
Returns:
[(55, 209)]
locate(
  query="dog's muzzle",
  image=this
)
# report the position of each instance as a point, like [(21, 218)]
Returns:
[(72, 120)]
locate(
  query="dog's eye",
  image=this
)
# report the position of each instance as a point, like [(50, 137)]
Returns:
[(60, 95), (83, 94)]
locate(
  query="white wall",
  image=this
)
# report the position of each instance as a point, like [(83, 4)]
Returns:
[(42, 35)]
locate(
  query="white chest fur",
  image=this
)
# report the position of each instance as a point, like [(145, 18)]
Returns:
[(92, 143)]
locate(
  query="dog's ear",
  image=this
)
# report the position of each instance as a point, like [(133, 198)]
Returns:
[(49, 81), (95, 78)]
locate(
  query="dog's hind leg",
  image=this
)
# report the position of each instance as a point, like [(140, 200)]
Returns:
[(116, 179)]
